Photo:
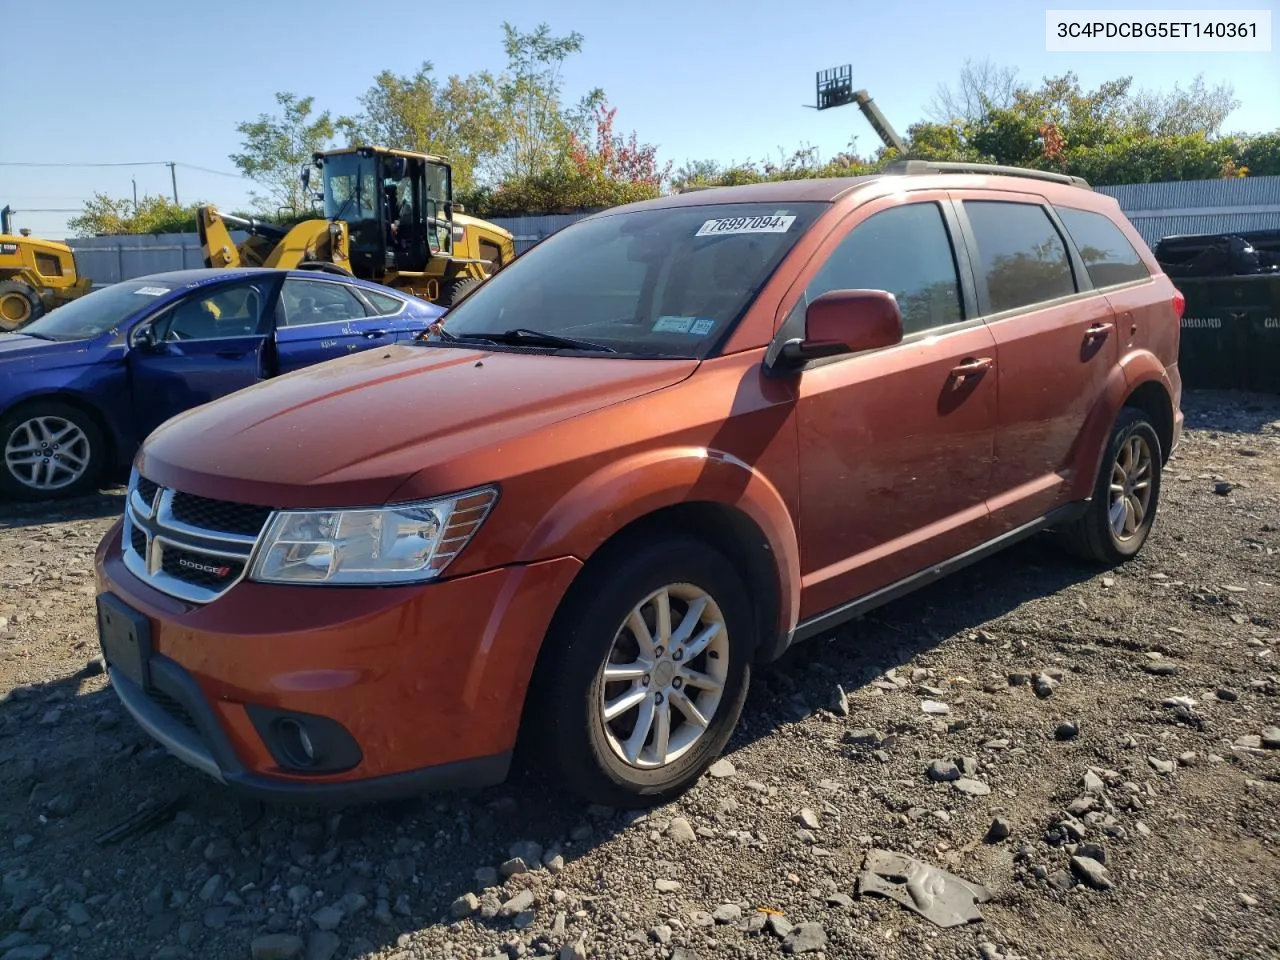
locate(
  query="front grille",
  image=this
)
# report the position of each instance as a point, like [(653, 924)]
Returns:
[(190, 547), (241, 518), (147, 490), (173, 708)]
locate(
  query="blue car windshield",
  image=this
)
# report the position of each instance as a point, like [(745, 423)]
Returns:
[(98, 312)]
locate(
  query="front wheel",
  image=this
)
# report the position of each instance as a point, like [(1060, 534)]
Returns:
[(51, 451), (1126, 495), (644, 675)]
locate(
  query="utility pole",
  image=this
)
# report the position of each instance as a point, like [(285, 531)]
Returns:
[(135, 196), (173, 175)]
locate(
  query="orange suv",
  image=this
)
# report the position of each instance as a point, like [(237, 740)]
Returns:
[(655, 451)]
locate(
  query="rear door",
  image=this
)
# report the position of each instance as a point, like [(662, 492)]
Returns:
[(321, 319), (1056, 344), (205, 346), (404, 318)]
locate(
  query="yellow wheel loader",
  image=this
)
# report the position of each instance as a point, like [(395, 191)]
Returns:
[(35, 276), (389, 217)]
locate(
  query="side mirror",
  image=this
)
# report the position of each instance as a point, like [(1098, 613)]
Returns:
[(846, 321), (144, 337)]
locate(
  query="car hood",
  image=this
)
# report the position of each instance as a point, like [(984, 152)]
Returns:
[(349, 432)]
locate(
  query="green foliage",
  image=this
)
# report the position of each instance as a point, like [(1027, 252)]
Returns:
[(276, 148), (109, 216)]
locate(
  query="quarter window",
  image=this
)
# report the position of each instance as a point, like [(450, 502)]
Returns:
[(384, 303), (318, 301), (1020, 252), (905, 250), (1109, 257)]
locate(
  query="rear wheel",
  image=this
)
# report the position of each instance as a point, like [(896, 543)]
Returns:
[(1126, 495), (643, 676), (19, 305), (455, 291), (51, 450)]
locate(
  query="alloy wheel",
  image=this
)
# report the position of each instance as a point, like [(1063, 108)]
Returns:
[(47, 453), (1131, 474), (664, 678)]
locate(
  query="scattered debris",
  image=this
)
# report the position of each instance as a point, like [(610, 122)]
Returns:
[(940, 897)]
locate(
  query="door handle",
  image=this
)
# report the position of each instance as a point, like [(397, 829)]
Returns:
[(972, 368), (231, 354), (1098, 330), (374, 334)]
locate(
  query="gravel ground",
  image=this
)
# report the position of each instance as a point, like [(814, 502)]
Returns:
[(1096, 748)]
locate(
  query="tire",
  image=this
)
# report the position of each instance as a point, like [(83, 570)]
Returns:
[(19, 305), (565, 728), (41, 422), (1093, 537), (455, 291)]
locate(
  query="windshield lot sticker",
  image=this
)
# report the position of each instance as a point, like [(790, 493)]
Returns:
[(769, 224), (151, 291), (673, 324), (702, 326)]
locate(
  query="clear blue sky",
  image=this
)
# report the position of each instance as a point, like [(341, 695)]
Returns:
[(144, 80)]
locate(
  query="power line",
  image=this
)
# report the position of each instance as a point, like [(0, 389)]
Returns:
[(141, 163)]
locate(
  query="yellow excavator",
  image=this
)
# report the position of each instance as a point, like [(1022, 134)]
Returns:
[(389, 217), (35, 275)]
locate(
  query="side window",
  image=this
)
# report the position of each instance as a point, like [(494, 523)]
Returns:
[(385, 304), (905, 250), (317, 301), (1020, 252), (1109, 257), (228, 311)]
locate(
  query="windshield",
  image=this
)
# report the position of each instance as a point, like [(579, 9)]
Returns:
[(97, 312), (666, 282), (350, 188)]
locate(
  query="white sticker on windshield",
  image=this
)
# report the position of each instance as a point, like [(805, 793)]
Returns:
[(152, 291), (769, 224), (673, 324), (702, 326)]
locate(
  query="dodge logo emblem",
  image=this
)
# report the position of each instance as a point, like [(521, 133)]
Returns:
[(203, 567)]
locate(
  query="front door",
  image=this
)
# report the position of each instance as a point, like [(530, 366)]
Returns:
[(895, 445), (320, 320), (207, 345), (1056, 344)]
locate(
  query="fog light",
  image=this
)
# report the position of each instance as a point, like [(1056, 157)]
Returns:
[(296, 742)]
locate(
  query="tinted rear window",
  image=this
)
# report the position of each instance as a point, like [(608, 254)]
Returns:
[(1020, 252), (1108, 255)]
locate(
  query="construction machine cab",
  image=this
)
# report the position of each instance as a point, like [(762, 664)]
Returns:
[(398, 207)]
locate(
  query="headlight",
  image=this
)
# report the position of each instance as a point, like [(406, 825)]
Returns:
[(405, 543)]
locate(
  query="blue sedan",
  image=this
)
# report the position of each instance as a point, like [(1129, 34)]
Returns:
[(83, 386)]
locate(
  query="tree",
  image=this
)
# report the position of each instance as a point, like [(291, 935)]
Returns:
[(455, 119), (104, 215), (535, 125), (981, 86), (276, 148), (1180, 113)]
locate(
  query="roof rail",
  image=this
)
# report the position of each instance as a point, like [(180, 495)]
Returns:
[(990, 169)]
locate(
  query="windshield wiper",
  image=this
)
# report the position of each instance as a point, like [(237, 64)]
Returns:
[(521, 336), (35, 336)]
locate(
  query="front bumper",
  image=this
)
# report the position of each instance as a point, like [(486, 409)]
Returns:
[(423, 685)]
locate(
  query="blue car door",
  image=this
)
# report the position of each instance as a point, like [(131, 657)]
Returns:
[(209, 344), (320, 319)]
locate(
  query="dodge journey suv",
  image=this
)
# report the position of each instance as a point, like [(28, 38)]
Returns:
[(664, 445)]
